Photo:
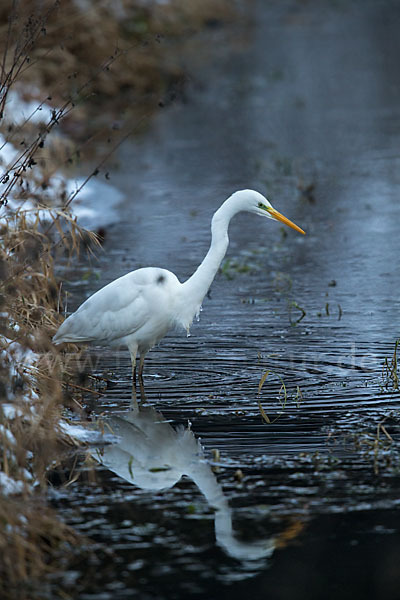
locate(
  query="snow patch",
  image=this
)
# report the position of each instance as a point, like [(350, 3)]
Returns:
[(83, 434), (9, 486), (95, 204), (27, 110)]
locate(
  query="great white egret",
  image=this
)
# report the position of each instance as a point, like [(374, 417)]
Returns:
[(137, 309)]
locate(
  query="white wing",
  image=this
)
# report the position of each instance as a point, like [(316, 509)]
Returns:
[(117, 310)]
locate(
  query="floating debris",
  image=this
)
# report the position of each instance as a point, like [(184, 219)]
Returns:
[(390, 373), (293, 305)]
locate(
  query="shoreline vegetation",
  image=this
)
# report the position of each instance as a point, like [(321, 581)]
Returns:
[(62, 66)]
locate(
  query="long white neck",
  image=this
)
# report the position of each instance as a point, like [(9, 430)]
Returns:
[(197, 286)]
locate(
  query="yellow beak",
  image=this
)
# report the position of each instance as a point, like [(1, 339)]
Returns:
[(277, 215)]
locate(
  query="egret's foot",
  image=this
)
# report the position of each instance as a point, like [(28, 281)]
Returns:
[(143, 398)]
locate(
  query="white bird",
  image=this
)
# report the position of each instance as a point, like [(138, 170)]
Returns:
[(137, 309)]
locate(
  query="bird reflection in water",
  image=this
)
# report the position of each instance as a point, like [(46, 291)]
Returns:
[(153, 456)]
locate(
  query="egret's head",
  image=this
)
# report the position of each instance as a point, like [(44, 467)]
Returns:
[(256, 203)]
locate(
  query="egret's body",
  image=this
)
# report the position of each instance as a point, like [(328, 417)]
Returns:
[(139, 308)]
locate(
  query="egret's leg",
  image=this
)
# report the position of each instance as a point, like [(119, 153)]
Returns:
[(134, 402), (133, 359), (141, 382), (141, 365)]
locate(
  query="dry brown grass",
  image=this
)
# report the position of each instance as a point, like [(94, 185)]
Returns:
[(32, 537), (32, 544), (125, 54)]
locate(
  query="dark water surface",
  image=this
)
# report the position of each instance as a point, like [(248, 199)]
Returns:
[(300, 100)]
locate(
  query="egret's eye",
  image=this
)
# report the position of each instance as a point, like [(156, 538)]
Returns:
[(261, 205)]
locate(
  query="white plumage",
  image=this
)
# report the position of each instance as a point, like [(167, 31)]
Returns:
[(140, 303), (139, 308)]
